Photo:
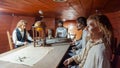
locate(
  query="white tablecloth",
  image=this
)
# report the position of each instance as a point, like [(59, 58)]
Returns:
[(27, 56)]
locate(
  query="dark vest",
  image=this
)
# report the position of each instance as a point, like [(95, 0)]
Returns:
[(20, 38)]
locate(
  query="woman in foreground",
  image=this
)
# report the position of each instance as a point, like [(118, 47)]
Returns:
[(97, 53)]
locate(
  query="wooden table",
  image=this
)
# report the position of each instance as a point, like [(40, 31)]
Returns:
[(51, 60)]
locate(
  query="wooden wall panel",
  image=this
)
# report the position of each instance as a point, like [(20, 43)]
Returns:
[(5, 24), (50, 24), (8, 22), (115, 21)]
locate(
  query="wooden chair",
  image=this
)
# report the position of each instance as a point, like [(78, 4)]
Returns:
[(10, 40)]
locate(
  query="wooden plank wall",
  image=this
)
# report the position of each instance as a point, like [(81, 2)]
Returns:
[(50, 24), (115, 21)]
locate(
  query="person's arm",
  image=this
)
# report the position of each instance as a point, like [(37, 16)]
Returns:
[(78, 58), (28, 36), (68, 61), (15, 40), (65, 32), (79, 44), (56, 33)]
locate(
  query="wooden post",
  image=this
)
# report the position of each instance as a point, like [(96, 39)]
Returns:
[(33, 29)]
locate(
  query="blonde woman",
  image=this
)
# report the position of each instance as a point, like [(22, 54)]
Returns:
[(20, 36), (97, 53)]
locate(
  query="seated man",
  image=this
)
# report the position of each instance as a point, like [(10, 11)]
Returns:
[(20, 36), (61, 32)]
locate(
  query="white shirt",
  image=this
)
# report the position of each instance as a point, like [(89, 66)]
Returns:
[(15, 40), (96, 57), (61, 32), (83, 41)]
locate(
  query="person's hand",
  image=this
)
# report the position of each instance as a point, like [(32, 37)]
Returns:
[(72, 43), (25, 43), (68, 61), (55, 36), (74, 48)]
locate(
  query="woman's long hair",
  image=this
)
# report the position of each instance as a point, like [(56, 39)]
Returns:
[(105, 26)]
